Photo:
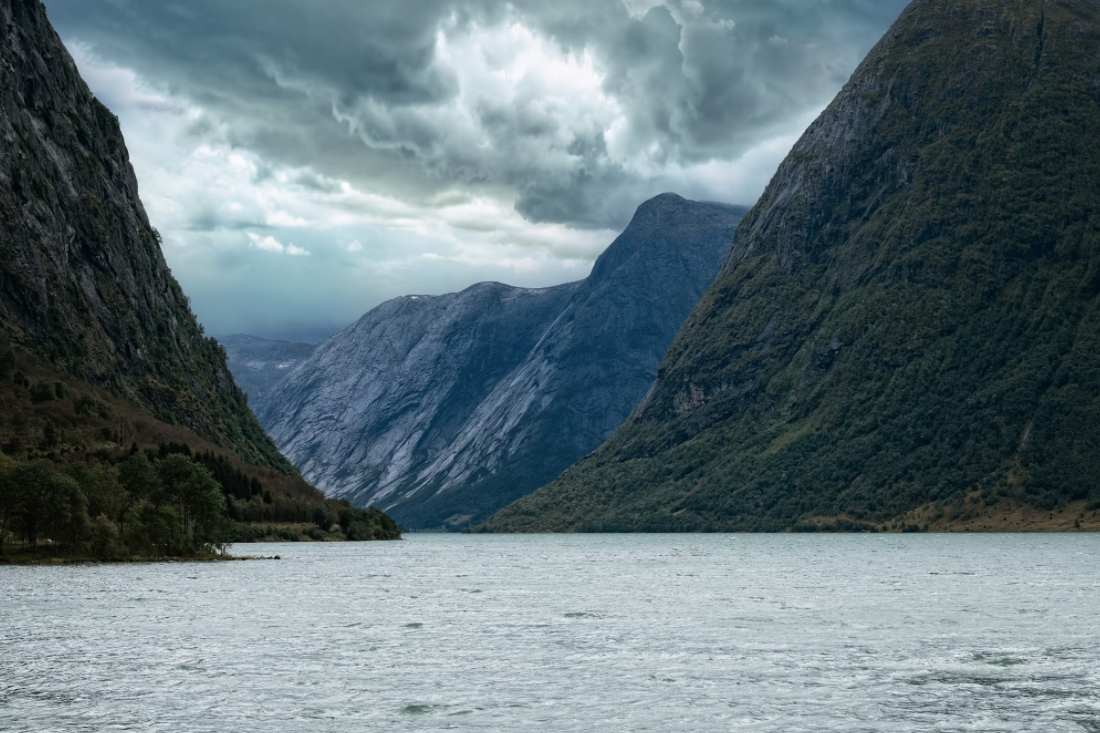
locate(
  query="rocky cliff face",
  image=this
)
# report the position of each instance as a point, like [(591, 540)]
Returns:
[(83, 282), (909, 317), (258, 364), (443, 409)]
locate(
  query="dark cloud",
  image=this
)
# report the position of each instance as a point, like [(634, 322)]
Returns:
[(362, 91), (307, 159)]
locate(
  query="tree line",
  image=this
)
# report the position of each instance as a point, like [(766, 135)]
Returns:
[(168, 503)]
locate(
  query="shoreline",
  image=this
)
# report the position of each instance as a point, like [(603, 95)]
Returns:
[(9, 561)]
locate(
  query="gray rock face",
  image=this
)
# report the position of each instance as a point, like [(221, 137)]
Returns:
[(443, 409), (83, 282), (258, 363)]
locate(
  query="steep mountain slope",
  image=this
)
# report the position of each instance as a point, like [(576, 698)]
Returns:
[(444, 409), (362, 414), (257, 364), (83, 283), (908, 318)]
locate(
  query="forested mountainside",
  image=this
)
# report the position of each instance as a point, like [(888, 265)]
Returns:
[(88, 474), (122, 432), (257, 364), (444, 409), (909, 320), (83, 282)]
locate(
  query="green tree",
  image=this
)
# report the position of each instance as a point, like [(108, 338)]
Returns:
[(69, 524), (101, 487), (155, 529), (103, 538), (191, 490), (47, 502), (138, 478), (322, 517), (346, 516)]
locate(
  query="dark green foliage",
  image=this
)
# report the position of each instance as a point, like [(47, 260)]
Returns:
[(47, 391), (167, 507), (366, 524), (234, 482), (138, 508), (918, 322), (42, 502), (104, 541), (191, 490), (322, 517), (91, 407), (7, 364), (108, 309), (138, 477), (168, 499), (49, 435), (371, 524)]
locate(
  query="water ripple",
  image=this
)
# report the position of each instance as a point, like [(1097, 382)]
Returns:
[(548, 634)]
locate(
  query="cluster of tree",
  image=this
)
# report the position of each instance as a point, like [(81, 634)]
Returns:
[(168, 507), (235, 483), (358, 525), (168, 503)]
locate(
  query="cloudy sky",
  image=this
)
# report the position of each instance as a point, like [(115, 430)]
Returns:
[(307, 159)]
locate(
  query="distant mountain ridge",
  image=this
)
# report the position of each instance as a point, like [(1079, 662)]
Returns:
[(257, 364), (443, 409), (905, 332), (83, 282)]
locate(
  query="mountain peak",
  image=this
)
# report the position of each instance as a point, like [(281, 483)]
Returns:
[(907, 322), (647, 240), (445, 409)]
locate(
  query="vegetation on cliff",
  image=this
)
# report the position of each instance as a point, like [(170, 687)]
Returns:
[(85, 473), (910, 316), (83, 282)]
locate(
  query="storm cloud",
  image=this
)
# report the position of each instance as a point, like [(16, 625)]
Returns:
[(512, 139)]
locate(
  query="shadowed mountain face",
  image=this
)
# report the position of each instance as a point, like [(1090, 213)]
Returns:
[(443, 409), (83, 283), (909, 317), (258, 364)]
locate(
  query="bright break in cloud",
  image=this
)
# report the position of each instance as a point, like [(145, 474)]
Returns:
[(307, 160)]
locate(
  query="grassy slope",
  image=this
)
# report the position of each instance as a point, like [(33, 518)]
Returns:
[(925, 337)]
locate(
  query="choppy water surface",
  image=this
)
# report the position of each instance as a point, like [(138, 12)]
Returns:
[(588, 633)]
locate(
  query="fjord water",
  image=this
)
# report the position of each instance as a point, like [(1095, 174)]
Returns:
[(567, 633)]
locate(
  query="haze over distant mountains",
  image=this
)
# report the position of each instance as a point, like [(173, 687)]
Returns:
[(906, 330), (258, 364), (444, 409)]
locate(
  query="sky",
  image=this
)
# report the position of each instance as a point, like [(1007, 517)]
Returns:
[(306, 160)]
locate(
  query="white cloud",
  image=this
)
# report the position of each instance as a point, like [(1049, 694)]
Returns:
[(463, 140), (267, 244), (270, 244)]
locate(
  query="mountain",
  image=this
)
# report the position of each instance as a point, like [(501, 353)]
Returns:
[(905, 332), (444, 409), (122, 433), (83, 283), (257, 364)]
